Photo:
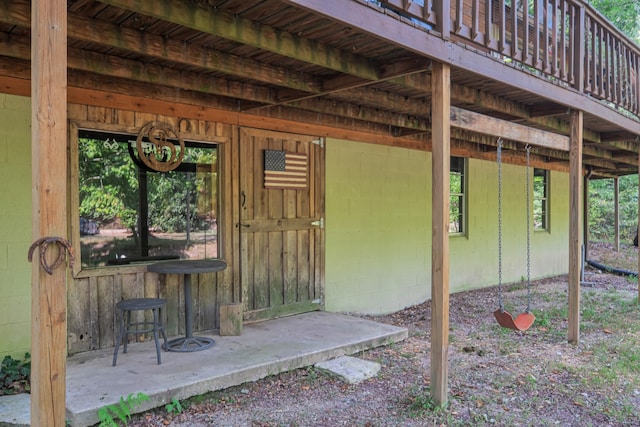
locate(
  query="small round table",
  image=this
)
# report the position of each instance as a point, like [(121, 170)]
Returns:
[(188, 343)]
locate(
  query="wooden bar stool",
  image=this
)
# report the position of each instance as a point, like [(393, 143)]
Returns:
[(124, 309)]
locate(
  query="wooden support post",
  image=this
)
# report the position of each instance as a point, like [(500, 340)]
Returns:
[(49, 198), (441, 106), (575, 253), (585, 216), (616, 220)]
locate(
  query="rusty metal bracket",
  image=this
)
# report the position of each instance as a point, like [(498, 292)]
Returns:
[(64, 251)]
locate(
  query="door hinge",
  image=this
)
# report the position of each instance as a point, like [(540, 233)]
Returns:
[(319, 141), (319, 223)]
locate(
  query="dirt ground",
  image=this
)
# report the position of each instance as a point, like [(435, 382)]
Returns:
[(496, 376)]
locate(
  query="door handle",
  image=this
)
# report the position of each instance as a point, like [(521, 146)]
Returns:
[(238, 225)]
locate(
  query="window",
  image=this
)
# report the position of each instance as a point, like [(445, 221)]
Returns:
[(540, 199), (457, 196), (129, 213)]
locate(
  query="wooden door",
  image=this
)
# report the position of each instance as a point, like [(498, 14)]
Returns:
[(281, 228)]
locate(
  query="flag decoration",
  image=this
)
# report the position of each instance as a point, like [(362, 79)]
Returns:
[(285, 170)]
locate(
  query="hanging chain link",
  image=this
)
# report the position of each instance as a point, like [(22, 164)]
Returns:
[(528, 150), (499, 159)]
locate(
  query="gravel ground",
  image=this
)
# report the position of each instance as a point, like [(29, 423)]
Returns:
[(496, 376)]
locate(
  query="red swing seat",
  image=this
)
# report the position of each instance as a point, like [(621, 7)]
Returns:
[(520, 323)]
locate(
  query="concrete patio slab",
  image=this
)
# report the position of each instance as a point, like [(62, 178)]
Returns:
[(263, 349)]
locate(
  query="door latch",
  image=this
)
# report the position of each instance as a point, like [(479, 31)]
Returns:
[(319, 223)]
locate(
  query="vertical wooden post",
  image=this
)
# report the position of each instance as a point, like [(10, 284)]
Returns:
[(579, 40), (585, 216), (49, 199), (616, 220), (443, 11), (441, 106), (575, 193)]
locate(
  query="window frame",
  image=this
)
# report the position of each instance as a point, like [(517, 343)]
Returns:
[(462, 195), (75, 127), (544, 200)]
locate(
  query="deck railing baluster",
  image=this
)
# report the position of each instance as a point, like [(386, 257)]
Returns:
[(564, 39), (565, 32), (476, 35)]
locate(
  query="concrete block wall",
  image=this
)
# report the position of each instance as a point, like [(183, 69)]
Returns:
[(378, 228), (15, 225)]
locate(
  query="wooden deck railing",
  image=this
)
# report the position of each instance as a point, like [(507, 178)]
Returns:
[(565, 40)]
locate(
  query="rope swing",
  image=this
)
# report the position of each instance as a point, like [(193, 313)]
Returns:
[(524, 320)]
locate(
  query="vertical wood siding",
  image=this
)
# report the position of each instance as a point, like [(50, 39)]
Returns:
[(92, 294)]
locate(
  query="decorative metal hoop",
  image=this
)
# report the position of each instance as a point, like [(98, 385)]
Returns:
[(163, 156)]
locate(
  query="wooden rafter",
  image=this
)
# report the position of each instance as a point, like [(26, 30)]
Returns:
[(210, 21)]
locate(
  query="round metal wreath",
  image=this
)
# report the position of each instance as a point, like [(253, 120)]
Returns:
[(162, 155)]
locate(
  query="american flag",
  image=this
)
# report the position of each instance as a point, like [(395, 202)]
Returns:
[(285, 170)]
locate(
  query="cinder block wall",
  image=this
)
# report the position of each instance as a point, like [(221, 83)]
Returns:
[(15, 225), (378, 228)]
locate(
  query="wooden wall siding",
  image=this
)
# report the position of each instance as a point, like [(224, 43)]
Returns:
[(93, 293), (281, 250), (550, 44)]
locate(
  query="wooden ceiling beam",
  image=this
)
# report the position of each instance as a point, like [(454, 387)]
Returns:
[(502, 128), (463, 94), (113, 66), (144, 43), (630, 146), (208, 20), (405, 74)]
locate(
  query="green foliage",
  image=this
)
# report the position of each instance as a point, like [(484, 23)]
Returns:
[(602, 208), (174, 407), (120, 411), (421, 402), (14, 375), (624, 14), (108, 186)]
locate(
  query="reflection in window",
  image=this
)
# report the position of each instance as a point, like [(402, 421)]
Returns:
[(131, 214), (540, 199), (457, 195)]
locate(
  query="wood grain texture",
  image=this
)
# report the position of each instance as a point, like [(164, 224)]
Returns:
[(440, 233), (49, 204), (575, 218), (279, 253)]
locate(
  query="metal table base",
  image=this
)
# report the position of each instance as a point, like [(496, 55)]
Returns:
[(188, 343), (185, 344)]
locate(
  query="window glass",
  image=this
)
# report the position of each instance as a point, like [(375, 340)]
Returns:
[(457, 195), (129, 213), (540, 199)]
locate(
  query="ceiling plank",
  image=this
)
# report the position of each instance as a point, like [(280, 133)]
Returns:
[(129, 39), (370, 20), (405, 74), (210, 21), (109, 65)]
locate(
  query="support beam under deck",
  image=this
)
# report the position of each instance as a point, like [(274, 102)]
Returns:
[(575, 194), (49, 211), (441, 106)]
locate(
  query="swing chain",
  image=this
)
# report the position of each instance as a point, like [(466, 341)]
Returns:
[(499, 160), (528, 152)]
